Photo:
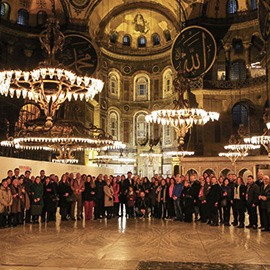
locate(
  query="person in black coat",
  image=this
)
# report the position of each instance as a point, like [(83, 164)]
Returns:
[(194, 192), (260, 183), (213, 199), (188, 201), (126, 184), (226, 201), (122, 197), (48, 197), (64, 190), (99, 192), (88, 197), (142, 206), (264, 202), (239, 202), (252, 202), (203, 192)]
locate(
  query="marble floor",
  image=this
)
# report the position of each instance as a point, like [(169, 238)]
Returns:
[(132, 244)]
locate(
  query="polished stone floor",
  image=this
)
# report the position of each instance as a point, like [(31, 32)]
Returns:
[(132, 244)]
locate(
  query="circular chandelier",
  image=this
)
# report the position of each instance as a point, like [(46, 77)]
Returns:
[(180, 154), (50, 84), (260, 140), (65, 137), (181, 118), (233, 156)]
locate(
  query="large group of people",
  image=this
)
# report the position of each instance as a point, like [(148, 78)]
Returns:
[(207, 199)]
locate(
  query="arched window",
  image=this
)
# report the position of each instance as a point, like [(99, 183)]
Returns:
[(113, 38), (238, 70), (126, 40), (141, 87), (167, 35), (41, 17), (253, 4), (23, 17), (4, 11), (155, 39), (167, 82), (232, 6), (27, 113), (114, 83), (141, 128), (141, 41), (114, 124), (238, 46), (240, 115)]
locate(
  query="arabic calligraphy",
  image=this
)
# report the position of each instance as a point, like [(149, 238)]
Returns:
[(264, 18), (194, 51), (79, 55)]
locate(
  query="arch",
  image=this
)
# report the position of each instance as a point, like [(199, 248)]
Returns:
[(105, 15), (167, 80), (240, 114), (141, 87), (127, 40), (141, 128), (28, 112), (42, 17), (237, 46), (167, 35), (5, 11), (225, 172), (141, 42), (155, 39), (232, 6), (114, 84), (176, 170), (113, 38), (244, 173), (114, 124), (192, 171), (23, 17), (209, 171)]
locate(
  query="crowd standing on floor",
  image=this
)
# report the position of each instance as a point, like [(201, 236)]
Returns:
[(29, 199)]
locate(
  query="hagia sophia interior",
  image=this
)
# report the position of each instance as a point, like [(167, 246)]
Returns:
[(128, 46)]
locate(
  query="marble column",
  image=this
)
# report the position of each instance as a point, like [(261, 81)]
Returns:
[(227, 48), (247, 45)]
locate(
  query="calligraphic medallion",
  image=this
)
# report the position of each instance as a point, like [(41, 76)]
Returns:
[(194, 51), (80, 3), (264, 18), (79, 54)]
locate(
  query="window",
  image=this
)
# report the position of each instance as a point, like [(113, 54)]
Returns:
[(141, 42), (113, 38), (167, 35), (141, 128), (167, 135), (22, 17), (238, 46), (28, 112), (126, 40), (232, 6), (240, 115), (155, 39), (167, 82), (113, 124), (41, 18), (253, 4), (238, 70), (141, 86), (4, 11), (114, 83)]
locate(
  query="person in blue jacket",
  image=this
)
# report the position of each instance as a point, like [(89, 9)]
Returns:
[(177, 191)]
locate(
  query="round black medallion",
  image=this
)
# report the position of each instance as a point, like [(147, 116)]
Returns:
[(194, 51), (80, 3)]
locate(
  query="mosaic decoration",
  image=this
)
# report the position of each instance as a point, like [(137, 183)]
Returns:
[(80, 4)]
